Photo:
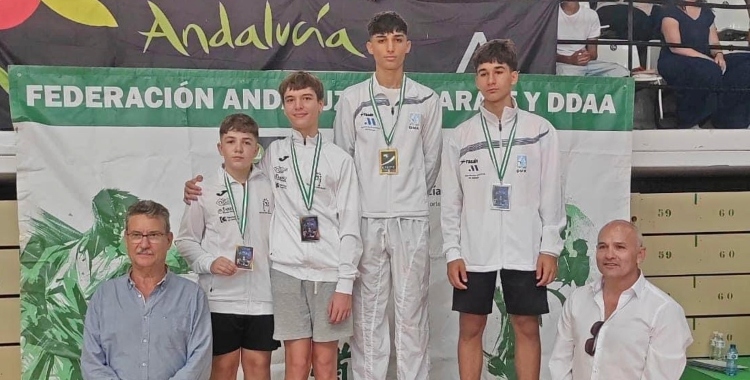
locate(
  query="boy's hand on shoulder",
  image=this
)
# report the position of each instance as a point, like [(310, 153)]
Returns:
[(223, 266), (192, 191), (340, 308)]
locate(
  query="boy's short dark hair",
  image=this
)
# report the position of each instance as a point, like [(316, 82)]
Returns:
[(496, 51), (386, 22), (239, 122), (301, 80)]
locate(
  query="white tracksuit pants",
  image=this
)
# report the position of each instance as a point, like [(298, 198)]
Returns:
[(395, 258)]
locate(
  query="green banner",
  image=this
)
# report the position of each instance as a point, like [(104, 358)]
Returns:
[(91, 142), (73, 96)]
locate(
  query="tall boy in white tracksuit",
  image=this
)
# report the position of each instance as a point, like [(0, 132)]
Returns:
[(502, 210), (391, 125), (224, 238)]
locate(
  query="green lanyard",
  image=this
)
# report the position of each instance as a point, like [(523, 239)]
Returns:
[(241, 221), (307, 192), (506, 155), (388, 137)]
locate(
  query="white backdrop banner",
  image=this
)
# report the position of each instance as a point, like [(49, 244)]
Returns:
[(93, 141)]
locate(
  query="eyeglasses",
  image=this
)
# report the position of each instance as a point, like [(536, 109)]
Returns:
[(590, 346), (153, 237)]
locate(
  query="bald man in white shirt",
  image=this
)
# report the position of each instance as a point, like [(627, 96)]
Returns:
[(621, 327)]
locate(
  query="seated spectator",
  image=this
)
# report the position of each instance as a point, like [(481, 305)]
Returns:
[(576, 23), (733, 111), (149, 323), (703, 69), (620, 326), (645, 24)]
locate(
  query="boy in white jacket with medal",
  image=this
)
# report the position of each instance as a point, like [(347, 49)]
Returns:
[(502, 210), (224, 238)]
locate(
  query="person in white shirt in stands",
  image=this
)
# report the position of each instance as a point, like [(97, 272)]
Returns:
[(622, 326), (576, 23)]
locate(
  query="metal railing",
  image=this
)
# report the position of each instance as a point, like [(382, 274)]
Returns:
[(630, 42)]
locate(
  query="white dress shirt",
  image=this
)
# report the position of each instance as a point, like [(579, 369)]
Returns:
[(645, 337)]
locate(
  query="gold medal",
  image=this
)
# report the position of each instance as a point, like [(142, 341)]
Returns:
[(388, 161)]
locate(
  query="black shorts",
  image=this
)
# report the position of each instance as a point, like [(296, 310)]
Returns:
[(251, 332), (521, 295)]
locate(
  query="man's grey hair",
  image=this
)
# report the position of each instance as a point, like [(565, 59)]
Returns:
[(628, 224), (149, 208)]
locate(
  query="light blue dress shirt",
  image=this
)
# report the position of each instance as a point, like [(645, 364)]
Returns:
[(164, 337)]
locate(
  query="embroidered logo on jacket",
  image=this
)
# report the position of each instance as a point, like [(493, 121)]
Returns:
[(369, 122), (266, 206), (472, 170), (319, 181), (224, 219), (521, 163), (280, 181), (415, 120)]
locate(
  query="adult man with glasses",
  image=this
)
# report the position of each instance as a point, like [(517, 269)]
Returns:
[(621, 327), (149, 323)]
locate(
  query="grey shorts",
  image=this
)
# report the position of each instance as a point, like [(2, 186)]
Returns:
[(301, 311)]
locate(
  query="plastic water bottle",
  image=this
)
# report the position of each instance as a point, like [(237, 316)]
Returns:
[(720, 344), (712, 351), (731, 368)]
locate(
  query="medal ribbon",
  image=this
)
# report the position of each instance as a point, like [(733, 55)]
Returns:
[(388, 137), (307, 192), (501, 168), (241, 221)]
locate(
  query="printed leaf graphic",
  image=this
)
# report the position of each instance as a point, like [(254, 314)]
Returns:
[(574, 269), (345, 355), (86, 12), (573, 263), (4, 80)]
